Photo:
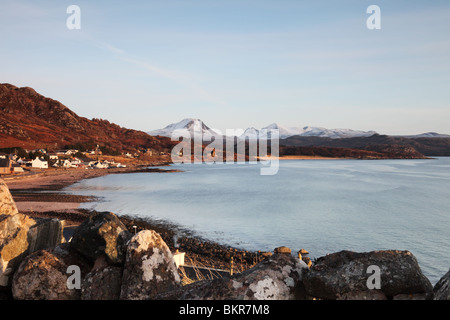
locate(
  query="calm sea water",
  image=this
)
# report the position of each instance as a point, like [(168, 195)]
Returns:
[(323, 206)]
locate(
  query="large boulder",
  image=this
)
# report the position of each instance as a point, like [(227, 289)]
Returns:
[(20, 236), (278, 277), (13, 244), (442, 288), (103, 282), (7, 205), (350, 275), (149, 267), (44, 275), (102, 234), (46, 233)]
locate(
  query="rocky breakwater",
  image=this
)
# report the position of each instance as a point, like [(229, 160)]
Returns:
[(20, 236), (104, 261)]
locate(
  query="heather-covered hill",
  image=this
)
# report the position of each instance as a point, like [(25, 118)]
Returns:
[(30, 120)]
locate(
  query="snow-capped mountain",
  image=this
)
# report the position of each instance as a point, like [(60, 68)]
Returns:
[(285, 132), (196, 127), (188, 127)]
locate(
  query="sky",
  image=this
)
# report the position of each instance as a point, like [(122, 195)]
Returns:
[(236, 64)]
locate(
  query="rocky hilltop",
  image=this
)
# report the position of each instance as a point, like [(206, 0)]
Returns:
[(31, 121), (103, 260)]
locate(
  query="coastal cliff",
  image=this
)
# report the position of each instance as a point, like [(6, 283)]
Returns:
[(104, 260)]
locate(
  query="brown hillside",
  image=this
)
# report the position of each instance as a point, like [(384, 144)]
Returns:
[(30, 120)]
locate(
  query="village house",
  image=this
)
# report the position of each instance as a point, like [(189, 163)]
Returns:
[(76, 162), (39, 163), (66, 163), (100, 165)]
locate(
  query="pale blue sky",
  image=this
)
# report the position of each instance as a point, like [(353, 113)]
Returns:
[(236, 64)]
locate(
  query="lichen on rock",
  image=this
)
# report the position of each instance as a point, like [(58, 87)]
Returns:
[(149, 267)]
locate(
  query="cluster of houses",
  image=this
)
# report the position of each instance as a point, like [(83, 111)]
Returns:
[(11, 163)]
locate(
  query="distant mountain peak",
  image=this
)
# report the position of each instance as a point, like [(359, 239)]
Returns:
[(197, 127), (285, 132), (191, 127)]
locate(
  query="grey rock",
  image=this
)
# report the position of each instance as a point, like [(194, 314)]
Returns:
[(149, 267), (345, 275), (442, 288), (103, 282), (44, 275), (101, 234), (20, 236), (45, 234)]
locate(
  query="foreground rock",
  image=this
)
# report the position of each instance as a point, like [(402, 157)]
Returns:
[(7, 205), (442, 289), (102, 234), (103, 282), (21, 236), (347, 275), (149, 267), (44, 275), (277, 277)]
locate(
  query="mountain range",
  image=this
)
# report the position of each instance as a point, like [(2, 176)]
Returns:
[(286, 132), (199, 128), (428, 144)]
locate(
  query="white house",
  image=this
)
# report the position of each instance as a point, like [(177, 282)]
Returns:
[(66, 163), (100, 165), (38, 163)]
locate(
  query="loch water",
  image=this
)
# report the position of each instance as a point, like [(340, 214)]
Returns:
[(323, 206)]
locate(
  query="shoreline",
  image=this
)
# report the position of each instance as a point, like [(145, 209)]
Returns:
[(301, 158), (57, 179), (41, 197)]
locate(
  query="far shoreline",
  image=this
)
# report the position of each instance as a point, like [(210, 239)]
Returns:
[(268, 158)]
